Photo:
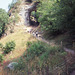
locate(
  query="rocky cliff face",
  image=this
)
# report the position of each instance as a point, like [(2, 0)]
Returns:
[(26, 10)]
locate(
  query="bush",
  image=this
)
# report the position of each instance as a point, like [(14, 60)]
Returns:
[(21, 64), (35, 49), (14, 19), (14, 4), (3, 20), (43, 56), (1, 57), (9, 47), (57, 16)]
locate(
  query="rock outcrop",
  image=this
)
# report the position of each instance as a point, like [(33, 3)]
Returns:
[(12, 65), (26, 12)]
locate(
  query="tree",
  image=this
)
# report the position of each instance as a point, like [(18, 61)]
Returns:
[(67, 12), (57, 16), (3, 20)]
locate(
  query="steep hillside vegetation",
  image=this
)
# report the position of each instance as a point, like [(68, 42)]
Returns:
[(36, 55)]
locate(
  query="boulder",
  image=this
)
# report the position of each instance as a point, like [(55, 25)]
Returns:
[(12, 65)]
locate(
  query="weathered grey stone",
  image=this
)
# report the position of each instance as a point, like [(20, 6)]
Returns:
[(26, 12), (12, 65)]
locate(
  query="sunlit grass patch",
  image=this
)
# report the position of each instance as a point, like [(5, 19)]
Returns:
[(20, 38)]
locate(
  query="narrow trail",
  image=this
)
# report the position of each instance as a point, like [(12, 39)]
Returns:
[(69, 51)]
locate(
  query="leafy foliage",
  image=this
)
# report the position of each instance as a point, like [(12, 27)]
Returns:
[(57, 16), (21, 64), (35, 49), (9, 47), (13, 7), (1, 58), (3, 20), (43, 58)]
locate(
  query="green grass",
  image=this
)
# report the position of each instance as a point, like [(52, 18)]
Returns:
[(20, 38)]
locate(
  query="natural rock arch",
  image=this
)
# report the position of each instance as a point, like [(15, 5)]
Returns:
[(27, 12)]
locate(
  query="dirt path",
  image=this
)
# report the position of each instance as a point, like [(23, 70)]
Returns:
[(69, 51)]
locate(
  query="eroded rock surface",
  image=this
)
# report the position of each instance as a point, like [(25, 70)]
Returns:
[(26, 12)]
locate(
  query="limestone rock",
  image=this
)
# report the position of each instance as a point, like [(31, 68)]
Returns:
[(12, 65)]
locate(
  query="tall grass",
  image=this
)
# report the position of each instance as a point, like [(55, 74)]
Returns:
[(41, 59)]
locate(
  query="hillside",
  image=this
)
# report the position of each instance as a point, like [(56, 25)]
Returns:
[(35, 52)]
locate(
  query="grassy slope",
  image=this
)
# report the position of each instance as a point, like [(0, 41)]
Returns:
[(20, 38)]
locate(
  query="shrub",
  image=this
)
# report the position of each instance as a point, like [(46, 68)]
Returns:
[(29, 44), (40, 55), (3, 20), (57, 16), (9, 47), (35, 49), (1, 57), (21, 64), (14, 19)]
